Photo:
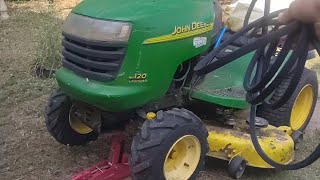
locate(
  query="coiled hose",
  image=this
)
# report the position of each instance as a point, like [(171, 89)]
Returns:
[(264, 73)]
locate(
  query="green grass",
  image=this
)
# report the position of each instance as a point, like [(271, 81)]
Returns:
[(28, 41), (49, 48)]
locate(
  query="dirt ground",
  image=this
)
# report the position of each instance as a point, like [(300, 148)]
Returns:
[(27, 151)]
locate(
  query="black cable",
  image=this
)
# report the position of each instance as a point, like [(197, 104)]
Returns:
[(263, 75), (184, 77), (248, 14)]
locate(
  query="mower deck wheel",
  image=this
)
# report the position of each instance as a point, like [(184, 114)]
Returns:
[(171, 146), (236, 167), (63, 124)]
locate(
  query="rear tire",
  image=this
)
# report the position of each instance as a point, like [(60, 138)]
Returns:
[(283, 115), (57, 121), (155, 148)]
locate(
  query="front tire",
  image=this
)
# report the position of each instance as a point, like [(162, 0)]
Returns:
[(171, 146), (58, 121)]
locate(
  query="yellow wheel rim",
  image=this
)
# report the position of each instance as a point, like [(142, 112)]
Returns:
[(182, 158), (76, 123), (302, 107)]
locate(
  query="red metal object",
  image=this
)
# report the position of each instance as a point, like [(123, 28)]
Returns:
[(115, 169)]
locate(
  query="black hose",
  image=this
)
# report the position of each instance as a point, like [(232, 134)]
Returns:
[(264, 74), (250, 9)]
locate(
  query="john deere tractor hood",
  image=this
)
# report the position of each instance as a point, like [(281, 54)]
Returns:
[(121, 10), (163, 34)]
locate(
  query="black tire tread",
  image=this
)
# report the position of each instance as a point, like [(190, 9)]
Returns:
[(57, 121), (154, 132), (233, 166), (281, 116)]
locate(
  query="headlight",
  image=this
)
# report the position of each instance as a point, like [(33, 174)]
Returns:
[(96, 29)]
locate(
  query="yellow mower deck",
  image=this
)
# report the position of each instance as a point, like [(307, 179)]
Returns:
[(227, 143)]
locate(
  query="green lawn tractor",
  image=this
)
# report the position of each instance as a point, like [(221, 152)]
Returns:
[(128, 71)]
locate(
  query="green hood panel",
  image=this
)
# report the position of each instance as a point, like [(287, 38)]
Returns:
[(135, 10), (150, 62), (121, 10)]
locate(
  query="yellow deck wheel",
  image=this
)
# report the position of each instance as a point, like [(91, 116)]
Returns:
[(183, 158), (76, 123), (302, 107)]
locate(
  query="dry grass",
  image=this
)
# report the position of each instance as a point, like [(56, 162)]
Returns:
[(27, 151), (49, 48), (314, 64)]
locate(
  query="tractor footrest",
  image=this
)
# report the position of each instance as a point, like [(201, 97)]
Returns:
[(116, 169), (231, 93)]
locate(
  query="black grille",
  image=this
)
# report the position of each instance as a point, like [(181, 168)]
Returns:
[(92, 59)]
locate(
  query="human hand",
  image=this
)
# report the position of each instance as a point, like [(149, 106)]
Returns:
[(307, 11)]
